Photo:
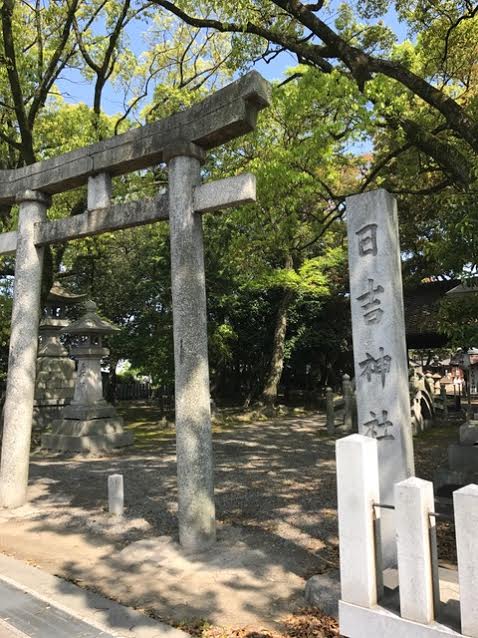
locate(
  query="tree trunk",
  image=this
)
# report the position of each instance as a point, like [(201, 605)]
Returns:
[(269, 393)]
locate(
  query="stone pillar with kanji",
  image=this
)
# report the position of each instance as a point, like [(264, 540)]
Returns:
[(380, 353)]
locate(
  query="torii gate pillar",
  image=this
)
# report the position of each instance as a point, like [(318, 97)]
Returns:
[(196, 512), (23, 352)]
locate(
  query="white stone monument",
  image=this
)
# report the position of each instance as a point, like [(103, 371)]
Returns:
[(380, 353)]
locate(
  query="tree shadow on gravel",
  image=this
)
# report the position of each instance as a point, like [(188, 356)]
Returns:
[(275, 503)]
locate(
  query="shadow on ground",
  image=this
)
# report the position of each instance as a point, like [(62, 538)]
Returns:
[(276, 511), (275, 500)]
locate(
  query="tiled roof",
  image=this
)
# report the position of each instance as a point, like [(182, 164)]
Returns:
[(421, 313)]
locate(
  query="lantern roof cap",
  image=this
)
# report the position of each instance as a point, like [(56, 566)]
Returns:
[(59, 293), (90, 323)]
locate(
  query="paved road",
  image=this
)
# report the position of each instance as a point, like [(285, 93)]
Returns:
[(24, 615)]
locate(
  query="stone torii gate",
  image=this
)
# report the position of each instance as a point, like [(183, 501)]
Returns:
[(181, 142)]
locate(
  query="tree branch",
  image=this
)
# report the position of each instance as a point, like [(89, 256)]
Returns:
[(361, 64), (300, 48), (26, 136), (54, 66)]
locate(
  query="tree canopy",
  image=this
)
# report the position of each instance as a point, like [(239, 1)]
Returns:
[(360, 108)]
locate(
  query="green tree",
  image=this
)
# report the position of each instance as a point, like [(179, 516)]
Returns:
[(436, 75), (288, 249)]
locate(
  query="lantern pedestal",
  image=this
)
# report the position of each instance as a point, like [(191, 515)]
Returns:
[(89, 423)]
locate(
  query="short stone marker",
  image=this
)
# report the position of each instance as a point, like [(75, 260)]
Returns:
[(380, 354), (116, 494)]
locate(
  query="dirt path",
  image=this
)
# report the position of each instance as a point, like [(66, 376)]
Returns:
[(276, 507), (275, 501)]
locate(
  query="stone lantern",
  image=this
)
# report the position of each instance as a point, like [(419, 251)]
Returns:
[(89, 423), (55, 374)]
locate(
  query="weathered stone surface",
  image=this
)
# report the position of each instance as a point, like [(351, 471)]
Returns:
[(8, 243), (414, 501), (72, 427), (55, 373), (94, 444), (57, 380), (99, 191), (115, 494), (18, 411), (380, 354), (211, 196), (44, 415), (95, 222), (225, 193), (323, 591), (196, 509), (219, 118)]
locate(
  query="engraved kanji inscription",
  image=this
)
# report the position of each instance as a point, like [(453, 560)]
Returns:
[(379, 365), (367, 240), (379, 429), (370, 302)]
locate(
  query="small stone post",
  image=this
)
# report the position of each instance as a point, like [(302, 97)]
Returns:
[(18, 412), (445, 401), (357, 491), (196, 511), (348, 402), (329, 404), (116, 494), (414, 501), (380, 353), (465, 502)]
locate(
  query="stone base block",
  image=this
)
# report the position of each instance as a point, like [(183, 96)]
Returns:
[(55, 392), (93, 427), (99, 443), (61, 365), (49, 403), (88, 412), (50, 385), (45, 415), (463, 458), (360, 622)]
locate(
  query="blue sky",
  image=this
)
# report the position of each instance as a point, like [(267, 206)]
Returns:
[(75, 88)]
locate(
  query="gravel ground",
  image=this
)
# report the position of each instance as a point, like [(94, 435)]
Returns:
[(276, 511)]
